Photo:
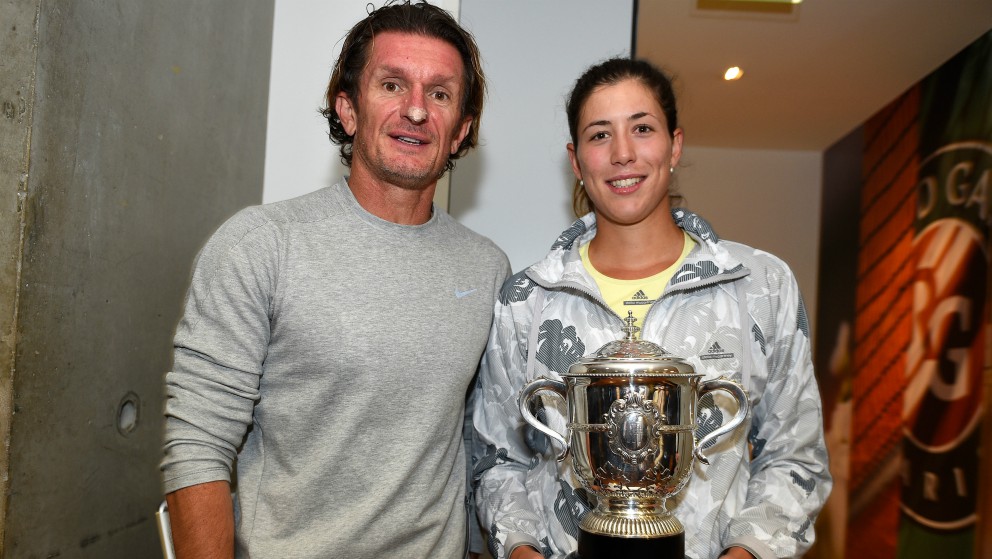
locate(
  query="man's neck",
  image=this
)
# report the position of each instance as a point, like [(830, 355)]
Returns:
[(404, 206)]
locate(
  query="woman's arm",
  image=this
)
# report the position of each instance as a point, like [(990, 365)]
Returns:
[(790, 479), (501, 456)]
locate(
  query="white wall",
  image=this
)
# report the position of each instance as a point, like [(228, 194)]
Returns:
[(532, 52), (767, 199), (516, 189)]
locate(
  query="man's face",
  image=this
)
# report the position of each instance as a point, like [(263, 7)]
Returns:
[(407, 119)]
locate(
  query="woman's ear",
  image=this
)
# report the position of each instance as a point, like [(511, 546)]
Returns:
[(574, 160), (676, 147)]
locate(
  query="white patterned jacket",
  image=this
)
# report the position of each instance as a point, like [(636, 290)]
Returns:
[(729, 311)]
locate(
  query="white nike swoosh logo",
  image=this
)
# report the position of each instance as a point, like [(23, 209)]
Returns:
[(460, 294)]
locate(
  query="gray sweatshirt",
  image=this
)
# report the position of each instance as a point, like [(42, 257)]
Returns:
[(328, 352)]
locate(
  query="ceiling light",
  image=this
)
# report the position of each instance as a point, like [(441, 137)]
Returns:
[(732, 74)]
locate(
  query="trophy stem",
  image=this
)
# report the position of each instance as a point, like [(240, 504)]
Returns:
[(639, 516)]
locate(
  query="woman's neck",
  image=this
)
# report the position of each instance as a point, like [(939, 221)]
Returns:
[(635, 251)]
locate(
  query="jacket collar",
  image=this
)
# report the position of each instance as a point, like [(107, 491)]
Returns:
[(709, 262)]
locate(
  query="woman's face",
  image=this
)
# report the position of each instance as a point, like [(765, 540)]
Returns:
[(624, 153)]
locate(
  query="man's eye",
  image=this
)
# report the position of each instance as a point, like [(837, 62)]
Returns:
[(441, 96), (642, 128), (391, 87), (598, 136)]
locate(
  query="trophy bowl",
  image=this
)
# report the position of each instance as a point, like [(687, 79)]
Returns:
[(631, 434)]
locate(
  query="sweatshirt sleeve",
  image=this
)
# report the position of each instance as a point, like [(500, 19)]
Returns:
[(790, 479), (501, 456), (219, 348)]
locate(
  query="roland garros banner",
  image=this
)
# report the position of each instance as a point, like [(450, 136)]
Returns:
[(943, 399)]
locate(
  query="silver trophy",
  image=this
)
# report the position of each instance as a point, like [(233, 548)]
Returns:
[(631, 433)]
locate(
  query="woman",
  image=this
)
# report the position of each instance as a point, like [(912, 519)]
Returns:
[(728, 309)]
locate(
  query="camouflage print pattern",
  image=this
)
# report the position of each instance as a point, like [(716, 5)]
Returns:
[(766, 481)]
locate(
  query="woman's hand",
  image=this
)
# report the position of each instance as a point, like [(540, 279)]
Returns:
[(526, 552), (736, 553)]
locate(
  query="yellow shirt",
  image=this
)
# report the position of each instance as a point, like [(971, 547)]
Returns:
[(634, 295)]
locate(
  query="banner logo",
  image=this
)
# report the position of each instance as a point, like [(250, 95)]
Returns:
[(944, 362)]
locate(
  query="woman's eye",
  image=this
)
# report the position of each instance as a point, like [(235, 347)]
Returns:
[(642, 128), (598, 136)]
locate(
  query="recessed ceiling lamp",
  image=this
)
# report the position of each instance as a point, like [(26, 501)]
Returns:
[(732, 74), (755, 6)]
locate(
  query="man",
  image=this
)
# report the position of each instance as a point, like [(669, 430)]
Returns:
[(328, 341)]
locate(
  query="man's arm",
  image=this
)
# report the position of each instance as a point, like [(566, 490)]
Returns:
[(211, 391), (202, 518)]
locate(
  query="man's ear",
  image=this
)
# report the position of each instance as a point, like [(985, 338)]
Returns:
[(346, 113), (457, 140)]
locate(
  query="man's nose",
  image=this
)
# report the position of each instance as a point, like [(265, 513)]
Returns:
[(415, 111), (416, 114)]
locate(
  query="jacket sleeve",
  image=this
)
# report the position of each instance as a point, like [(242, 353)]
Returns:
[(219, 348), (501, 455), (790, 478)]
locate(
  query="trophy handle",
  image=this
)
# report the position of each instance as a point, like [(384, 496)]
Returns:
[(528, 393), (743, 407)]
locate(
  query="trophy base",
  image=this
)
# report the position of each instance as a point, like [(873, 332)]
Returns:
[(598, 546)]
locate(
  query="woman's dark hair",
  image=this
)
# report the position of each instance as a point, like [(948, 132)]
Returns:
[(612, 72), (418, 18)]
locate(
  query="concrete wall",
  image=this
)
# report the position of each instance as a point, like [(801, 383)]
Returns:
[(17, 68), (147, 130)]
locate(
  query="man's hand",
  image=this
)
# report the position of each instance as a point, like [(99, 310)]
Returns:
[(202, 518), (526, 552), (737, 553)]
